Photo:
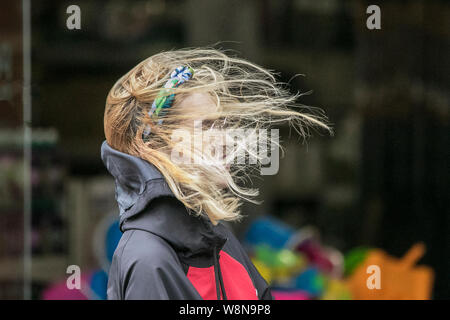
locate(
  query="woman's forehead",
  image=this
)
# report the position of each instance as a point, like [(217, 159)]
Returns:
[(198, 103)]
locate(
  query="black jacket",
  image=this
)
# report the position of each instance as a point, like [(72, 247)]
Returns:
[(167, 253)]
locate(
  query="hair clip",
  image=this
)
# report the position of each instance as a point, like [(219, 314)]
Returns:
[(165, 98)]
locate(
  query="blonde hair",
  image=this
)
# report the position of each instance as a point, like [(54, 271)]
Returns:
[(245, 96)]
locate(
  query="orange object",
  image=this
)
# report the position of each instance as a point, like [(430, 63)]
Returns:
[(383, 277)]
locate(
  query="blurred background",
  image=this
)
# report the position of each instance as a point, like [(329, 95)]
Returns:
[(375, 189)]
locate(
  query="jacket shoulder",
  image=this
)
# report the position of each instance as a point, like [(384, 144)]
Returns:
[(143, 248), (144, 267)]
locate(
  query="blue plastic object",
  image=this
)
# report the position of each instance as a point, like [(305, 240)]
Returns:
[(310, 281), (112, 238), (269, 231), (99, 283)]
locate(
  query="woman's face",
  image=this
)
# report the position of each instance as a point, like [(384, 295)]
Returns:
[(212, 131)]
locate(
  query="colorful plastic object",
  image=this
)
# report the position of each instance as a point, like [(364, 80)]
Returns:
[(94, 282), (328, 260), (60, 291), (263, 270), (112, 238), (383, 277), (283, 263), (268, 231), (99, 285), (310, 281), (290, 295), (336, 289), (354, 258)]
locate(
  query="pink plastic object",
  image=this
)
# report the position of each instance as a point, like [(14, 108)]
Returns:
[(290, 295), (59, 290), (317, 255)]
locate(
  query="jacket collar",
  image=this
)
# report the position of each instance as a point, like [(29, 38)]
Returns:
[(139, 187)]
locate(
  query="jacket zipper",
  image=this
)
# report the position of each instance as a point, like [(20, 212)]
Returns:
[(218, 277)]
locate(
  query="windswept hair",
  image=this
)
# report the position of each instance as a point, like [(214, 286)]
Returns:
[(244, 95)]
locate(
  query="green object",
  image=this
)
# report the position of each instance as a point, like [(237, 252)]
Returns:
[(267, 255), (354, 258), (283, 264), (320, 282), (283, 258)]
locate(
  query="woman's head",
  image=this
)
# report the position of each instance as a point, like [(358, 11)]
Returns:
[(191, 147)]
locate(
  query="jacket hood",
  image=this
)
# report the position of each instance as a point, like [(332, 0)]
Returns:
[(138, 183)]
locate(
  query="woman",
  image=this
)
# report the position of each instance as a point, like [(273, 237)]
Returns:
[(162, 119)]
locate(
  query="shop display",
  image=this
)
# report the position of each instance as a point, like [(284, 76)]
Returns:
[(298, 266)]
